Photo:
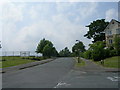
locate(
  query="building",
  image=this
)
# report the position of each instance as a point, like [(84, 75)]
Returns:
[(111, 31)]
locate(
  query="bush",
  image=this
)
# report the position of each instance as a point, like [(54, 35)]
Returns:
[(73, 54), (98, 52), (82, 54), (106, 53), (113, 53), (117, 45), (87, 54)]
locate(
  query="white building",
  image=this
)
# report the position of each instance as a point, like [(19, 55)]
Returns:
[(112, 30)]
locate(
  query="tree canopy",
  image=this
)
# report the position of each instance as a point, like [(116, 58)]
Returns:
[(96, 30), (46, 48), (78, 47), (65, 52), (98, 51)]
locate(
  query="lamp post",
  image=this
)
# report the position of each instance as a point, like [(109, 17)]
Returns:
[(78, 50)]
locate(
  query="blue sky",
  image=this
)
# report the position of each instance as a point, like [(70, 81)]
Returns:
[(25, 24)]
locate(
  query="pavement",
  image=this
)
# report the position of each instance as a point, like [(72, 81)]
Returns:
[(61, 73)]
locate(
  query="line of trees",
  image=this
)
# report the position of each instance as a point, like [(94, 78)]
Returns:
[(65, 52), (97, 51), (46, 48)]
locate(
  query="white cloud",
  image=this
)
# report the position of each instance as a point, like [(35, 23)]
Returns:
[(12, 12), (79, 11), (86, 11), (33, 13), (59, 29), (111, 14)]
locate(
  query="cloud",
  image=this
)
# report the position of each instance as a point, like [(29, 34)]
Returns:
[(33, 13), (55, 25), (60, 31), (87, 10), (78, 11), (12, 12), (111, 14)]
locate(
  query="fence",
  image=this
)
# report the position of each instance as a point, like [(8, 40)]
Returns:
[(19, 53)]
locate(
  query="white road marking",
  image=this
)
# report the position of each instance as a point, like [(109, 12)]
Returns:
[(84, 72), (61, 84), (115, 79)]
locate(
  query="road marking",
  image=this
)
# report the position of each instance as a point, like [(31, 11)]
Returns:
[(62, 84), (84, 72), (114, 79)]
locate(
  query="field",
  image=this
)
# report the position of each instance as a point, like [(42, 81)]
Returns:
[(112, 62), (8, 61)]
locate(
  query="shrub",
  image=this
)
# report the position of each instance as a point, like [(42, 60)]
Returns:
[(106, 53), (87, 54), (113, 53)]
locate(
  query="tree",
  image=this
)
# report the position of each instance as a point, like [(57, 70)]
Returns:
[(54, 52), (117, 45), (96, 30), (78, 47), (46, 48), (65, 52), (42, 44), (98, 51), (88, 54)]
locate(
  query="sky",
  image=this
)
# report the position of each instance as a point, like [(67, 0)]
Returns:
[(24, 24)]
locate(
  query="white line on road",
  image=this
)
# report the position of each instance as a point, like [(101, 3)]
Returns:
[(62, 84), (115, 79)]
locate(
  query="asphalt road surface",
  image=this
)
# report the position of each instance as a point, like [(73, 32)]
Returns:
[(41, 76), (90, 76), (61, 73)]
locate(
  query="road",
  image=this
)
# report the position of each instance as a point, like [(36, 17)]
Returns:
[(90, 76), (61, 73), (41, 76)]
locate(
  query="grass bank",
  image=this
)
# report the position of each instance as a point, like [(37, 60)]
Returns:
[(82, 63), (8, 61), (112, 62)]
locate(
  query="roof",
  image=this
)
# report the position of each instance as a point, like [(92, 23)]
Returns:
[(115, 20), (111, 22)]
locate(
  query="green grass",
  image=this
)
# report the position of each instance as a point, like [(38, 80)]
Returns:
[(112, 62), (82, 63), (9, 61), (0, 64)]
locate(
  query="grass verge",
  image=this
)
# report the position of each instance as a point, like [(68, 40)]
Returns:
[(112, 62), (82, 63), (8, 61)]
